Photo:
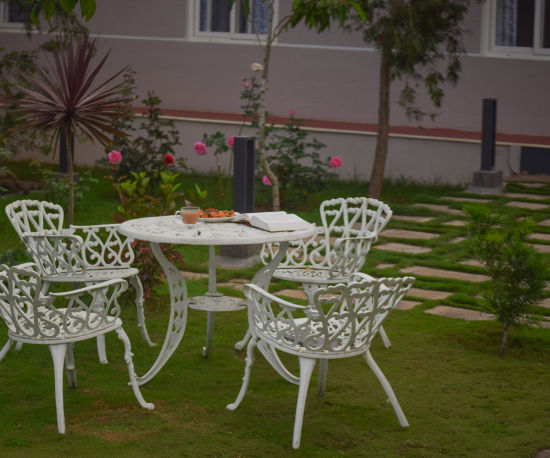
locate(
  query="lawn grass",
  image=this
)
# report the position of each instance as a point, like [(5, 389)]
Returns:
[(460, 398)]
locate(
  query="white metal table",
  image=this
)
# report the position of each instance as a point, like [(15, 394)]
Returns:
[(170, 229)]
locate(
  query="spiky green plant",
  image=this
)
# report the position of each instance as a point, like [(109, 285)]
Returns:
[(64, 98)]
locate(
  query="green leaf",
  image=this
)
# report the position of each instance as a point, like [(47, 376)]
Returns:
[(35, 12), (67, 5), (87, 8), (49, 9)]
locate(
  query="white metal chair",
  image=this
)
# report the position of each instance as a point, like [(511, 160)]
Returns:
[(349, 228), (340, 322), (98, 252), (32, 318)]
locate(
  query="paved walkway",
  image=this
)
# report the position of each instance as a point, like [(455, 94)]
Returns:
[(412, 242)]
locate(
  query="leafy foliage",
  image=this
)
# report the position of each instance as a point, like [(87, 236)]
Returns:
[(144, 195), (518, 273), (143, 147)]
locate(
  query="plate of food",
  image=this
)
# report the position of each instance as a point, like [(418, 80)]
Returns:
[(213, 215)]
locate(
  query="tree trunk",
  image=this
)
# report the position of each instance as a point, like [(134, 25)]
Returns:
[(377, 175), (504, 342), (262, 115), (70, 167)]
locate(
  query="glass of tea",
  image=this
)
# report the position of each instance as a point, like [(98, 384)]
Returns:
[(190, 215)]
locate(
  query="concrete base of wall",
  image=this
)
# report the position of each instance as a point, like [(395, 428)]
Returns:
[(486, 181), (238, 256)]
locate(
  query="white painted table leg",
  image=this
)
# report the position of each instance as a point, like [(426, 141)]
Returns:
[(178, 313), (211, 320)]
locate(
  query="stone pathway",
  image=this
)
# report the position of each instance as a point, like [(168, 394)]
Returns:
[(402, 248), (440, 273), (518, 195), (526, 205), (538, 236), (429, 294), (440, 208), (404, 234), (413, 219), (464, 314), (466, 199), (455, 223)]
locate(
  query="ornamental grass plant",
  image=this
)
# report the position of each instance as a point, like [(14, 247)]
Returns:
[(460, 397)]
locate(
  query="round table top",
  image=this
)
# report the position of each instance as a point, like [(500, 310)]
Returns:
[(170, 229)]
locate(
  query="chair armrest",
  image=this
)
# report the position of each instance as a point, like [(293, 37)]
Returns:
[(56, 255), (282, 302), (104, 285)]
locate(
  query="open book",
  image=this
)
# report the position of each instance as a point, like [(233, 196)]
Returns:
[(275, 221)]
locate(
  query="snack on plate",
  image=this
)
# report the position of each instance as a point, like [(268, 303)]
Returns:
[(214, 213)]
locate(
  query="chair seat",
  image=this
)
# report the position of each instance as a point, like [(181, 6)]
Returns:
[(308, 275), (93, 275), (72, 321)]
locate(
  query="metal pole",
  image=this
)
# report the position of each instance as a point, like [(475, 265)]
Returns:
[(243, 175)]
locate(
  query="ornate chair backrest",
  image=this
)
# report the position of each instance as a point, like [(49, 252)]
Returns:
[(28, 314), (104, 246), (343, 319), (349, 227), (35, 216), (19, 291)]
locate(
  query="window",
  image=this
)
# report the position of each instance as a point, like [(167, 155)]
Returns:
[(218, 18), (520, 27), (13, 12)]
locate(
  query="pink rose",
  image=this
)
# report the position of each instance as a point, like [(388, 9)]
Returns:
[(266, 181), (246, 84), (291, 113), (336, 161), (168, 159), (200, 148), (114, 157), (231, 141)]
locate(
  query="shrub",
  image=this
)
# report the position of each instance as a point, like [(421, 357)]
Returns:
[(518, 273)]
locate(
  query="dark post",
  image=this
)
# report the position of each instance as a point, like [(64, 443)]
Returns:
[(241, 256), (243, 175), (488, 134)]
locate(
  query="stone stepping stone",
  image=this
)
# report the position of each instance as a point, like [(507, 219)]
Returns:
[(466, 199), (455, 223), (402, 248), (545, 222), (471, 262), (520, 195), (292, 293), (429, 294), (440, 273), (539, 236), (532, 185), (413, 219), (237, 286), (545, 303), (404, 234), (384, 266), (541, 248), (440, 208), (458, 240), (526, 205), (194, 275), (407, 305), (456, 312)]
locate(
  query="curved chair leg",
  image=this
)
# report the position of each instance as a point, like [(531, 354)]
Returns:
[(5, 349), (387, 388), (306, 369), (70, 367), (136, 283), (58, 356), (131, 372), (384, 337), (246, 378), (101, 352), (322, 380), (18, 346)]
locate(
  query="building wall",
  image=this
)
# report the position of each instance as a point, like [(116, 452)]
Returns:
[(329, 77)]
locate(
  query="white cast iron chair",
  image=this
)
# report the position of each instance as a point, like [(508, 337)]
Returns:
[(102, 254), (340, 322), (349, 228), (32, 318)]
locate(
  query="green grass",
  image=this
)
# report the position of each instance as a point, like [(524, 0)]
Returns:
[(460, 398)]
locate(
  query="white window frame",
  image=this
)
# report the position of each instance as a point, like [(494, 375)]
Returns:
[(196, 34), (489, 46), (4, 15)]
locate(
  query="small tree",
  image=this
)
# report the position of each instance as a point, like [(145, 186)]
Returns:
[(518, 273), (66, 98), (419, 42)]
